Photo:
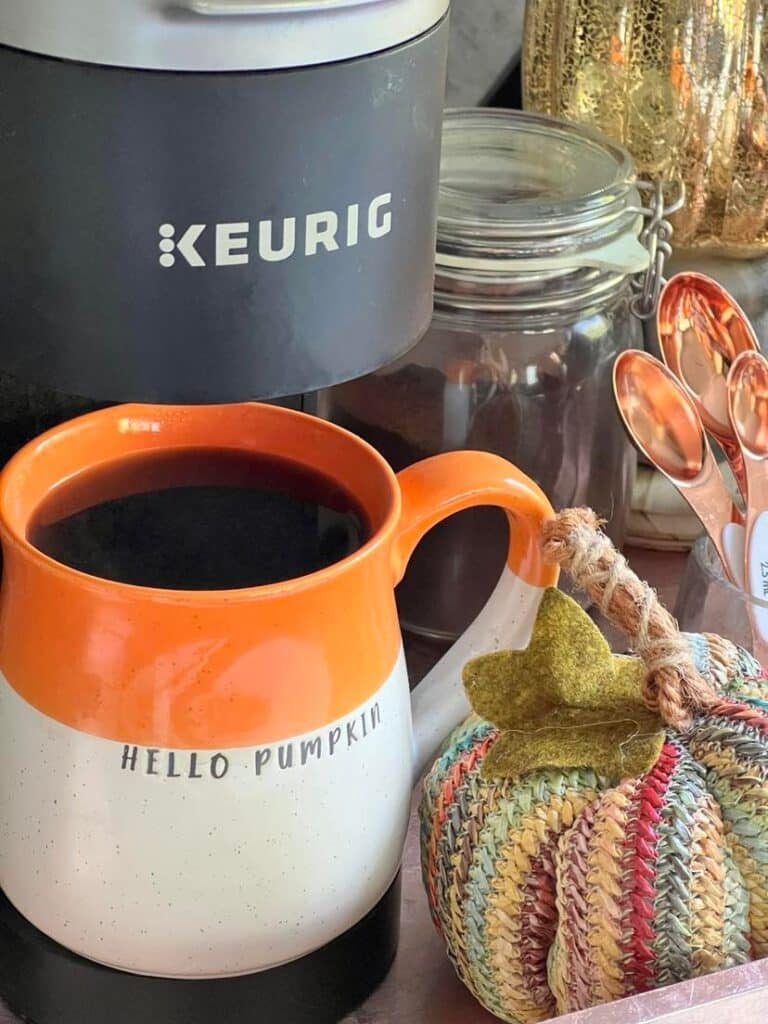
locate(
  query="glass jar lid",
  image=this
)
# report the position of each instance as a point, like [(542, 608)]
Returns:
[(539, 193)]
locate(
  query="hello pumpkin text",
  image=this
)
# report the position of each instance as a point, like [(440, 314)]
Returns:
[(291, 754)]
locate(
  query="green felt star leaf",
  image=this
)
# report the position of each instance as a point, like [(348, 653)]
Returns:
[(564, 702)]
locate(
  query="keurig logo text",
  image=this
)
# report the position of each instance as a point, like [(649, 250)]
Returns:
[(273, 241)]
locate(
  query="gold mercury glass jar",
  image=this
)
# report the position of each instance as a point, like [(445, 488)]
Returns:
[(682, 84)]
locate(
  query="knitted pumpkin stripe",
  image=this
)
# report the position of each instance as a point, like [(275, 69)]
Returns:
[(727, 762), (711, 897), (684, 793), (500, 833), (465, 934), (707, 881), (570, 969), (477, 800), (520, 919), (461, 740), (659, 845), (449, 811), (746, 669), (587, 962), (540, 924), (742, 713), (519, 940), (530, 814), (754, 879), (641, 870), (482, 871), (633, 884), (511, 930), (604, 896), (729, 747), (454, 849), (483, 802)]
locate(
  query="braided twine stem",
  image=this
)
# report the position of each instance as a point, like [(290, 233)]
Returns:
[(673, 686)]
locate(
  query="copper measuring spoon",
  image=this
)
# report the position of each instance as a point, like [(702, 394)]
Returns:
[(702, 330), (661, 418), (748, 405)]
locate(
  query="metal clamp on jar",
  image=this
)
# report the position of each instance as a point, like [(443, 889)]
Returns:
[(541, 233)]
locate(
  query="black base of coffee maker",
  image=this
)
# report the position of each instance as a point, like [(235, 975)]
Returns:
[(43, 983)]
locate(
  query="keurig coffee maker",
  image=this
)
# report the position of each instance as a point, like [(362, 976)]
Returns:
[(216, 200), (205, 202)]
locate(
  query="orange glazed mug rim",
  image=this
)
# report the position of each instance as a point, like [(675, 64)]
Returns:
[(108, 435)]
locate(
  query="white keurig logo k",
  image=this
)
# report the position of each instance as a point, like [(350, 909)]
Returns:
[(185, 245), (234, 243)]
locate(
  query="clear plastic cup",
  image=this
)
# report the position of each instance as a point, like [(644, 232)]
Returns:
[(708, 602)]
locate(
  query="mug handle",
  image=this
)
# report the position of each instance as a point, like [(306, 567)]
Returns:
[(431, 491)]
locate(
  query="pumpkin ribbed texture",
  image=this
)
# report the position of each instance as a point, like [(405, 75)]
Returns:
[(558, 892)]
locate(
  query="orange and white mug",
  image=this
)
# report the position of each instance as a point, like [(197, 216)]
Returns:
[(209, 784)]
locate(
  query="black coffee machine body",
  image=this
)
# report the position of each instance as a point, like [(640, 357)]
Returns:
[(215, 200)]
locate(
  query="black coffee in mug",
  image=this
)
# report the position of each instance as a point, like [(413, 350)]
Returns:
[(199, 519)]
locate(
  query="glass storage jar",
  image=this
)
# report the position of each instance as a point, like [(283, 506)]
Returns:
[(537, 242)]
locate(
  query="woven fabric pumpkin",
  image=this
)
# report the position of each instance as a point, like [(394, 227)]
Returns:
[(577, 849)]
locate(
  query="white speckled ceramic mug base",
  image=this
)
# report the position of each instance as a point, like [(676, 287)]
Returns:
[(185, 864)]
